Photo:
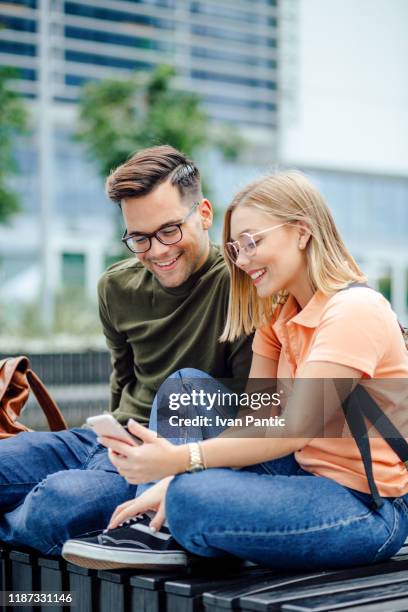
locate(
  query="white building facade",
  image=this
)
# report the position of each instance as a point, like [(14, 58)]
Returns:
[(345, 120)]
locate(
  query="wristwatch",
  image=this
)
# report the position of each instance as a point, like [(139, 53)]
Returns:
[(196, 459)]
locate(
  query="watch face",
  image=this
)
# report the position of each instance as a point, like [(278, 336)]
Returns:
[(196, 468)]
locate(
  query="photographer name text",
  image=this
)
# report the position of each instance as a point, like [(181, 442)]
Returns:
[(218, 421)]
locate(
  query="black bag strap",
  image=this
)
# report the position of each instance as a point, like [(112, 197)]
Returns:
[(360, 404), (355, 420), (383, 425)]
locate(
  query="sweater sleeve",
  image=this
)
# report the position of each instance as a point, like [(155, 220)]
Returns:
[(120, 350)]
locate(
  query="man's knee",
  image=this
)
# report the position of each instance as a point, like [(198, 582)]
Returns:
[(45, 516), (16, 460), (57, 500), (71, 503)]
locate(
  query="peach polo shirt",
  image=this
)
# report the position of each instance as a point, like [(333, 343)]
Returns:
[(355, 328)]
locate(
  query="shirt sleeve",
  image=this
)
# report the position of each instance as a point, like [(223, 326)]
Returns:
[(353, 330), (266, 343), (120, 350)]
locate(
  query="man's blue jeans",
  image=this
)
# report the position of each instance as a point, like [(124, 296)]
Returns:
[(275, 513), (56, 486)]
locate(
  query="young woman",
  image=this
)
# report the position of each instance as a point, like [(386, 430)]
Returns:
[(300, 500)]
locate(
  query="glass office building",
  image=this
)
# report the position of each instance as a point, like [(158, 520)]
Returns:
[(224, 50)]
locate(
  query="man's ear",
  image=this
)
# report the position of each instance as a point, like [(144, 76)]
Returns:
[(206, 213), (304, 234)]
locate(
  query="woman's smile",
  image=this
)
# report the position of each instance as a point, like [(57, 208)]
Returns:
[(257, 275)]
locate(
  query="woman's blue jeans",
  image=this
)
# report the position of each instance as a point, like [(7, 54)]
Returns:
[(275, 513)]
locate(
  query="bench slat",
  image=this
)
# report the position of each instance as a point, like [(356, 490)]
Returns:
[(336, 601)]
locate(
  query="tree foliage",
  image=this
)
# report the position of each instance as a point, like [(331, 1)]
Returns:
[(119, 117), (13, 118)]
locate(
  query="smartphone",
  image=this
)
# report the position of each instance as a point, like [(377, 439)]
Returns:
[(107, 425)]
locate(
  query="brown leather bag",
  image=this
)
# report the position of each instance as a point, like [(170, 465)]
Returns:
[(16, 381)]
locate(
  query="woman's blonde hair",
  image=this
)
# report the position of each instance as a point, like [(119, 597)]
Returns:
[(290, 197)]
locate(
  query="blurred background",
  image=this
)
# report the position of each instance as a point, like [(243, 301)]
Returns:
[(243, 86)]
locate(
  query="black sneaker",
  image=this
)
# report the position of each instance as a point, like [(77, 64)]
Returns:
[(133, 544)]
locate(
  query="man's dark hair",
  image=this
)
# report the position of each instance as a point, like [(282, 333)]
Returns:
[(148, 168)]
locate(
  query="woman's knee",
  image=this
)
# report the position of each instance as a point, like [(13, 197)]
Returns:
[(192, 373), (184, 373), (181, 510), (190, 500), (175, 382), (179, 382), (180, 378)]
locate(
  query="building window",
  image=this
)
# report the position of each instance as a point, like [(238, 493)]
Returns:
[(16, 48), (73, 269), (115, 39), (235, 80), (17, 23), (103, 60), (228, 56), (28, 3), (236, 102), (240, 37), (230, 14), (93, 12)]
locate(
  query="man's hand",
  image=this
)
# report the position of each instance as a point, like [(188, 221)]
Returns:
[(152, 499), (155, 459)]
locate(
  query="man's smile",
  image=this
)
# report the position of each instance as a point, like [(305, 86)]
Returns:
[(166, 264)]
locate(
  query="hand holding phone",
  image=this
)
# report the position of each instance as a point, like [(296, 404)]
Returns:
[(107, 425)]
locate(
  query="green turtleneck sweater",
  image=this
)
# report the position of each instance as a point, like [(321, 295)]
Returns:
[(151, 331)]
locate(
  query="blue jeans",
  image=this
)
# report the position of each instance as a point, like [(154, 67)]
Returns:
[(277, 514), (185, 381), (56, 486)]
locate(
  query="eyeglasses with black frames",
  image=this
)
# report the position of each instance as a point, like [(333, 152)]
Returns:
[(169, 234), (247, 243)]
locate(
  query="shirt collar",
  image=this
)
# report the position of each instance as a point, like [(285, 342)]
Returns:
[(289, 309), (311, 314)]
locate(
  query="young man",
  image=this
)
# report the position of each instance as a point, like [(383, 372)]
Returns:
[(162, 310)]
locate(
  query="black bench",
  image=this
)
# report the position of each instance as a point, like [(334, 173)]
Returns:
[(213, 586)]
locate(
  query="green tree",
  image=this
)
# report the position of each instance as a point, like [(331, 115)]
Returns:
[(119, 117), (13, 119)]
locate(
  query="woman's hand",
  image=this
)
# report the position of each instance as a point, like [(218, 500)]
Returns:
[(155, 459), (152, 499)]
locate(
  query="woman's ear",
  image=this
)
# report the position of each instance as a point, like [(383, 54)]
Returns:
[(304, 234)]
